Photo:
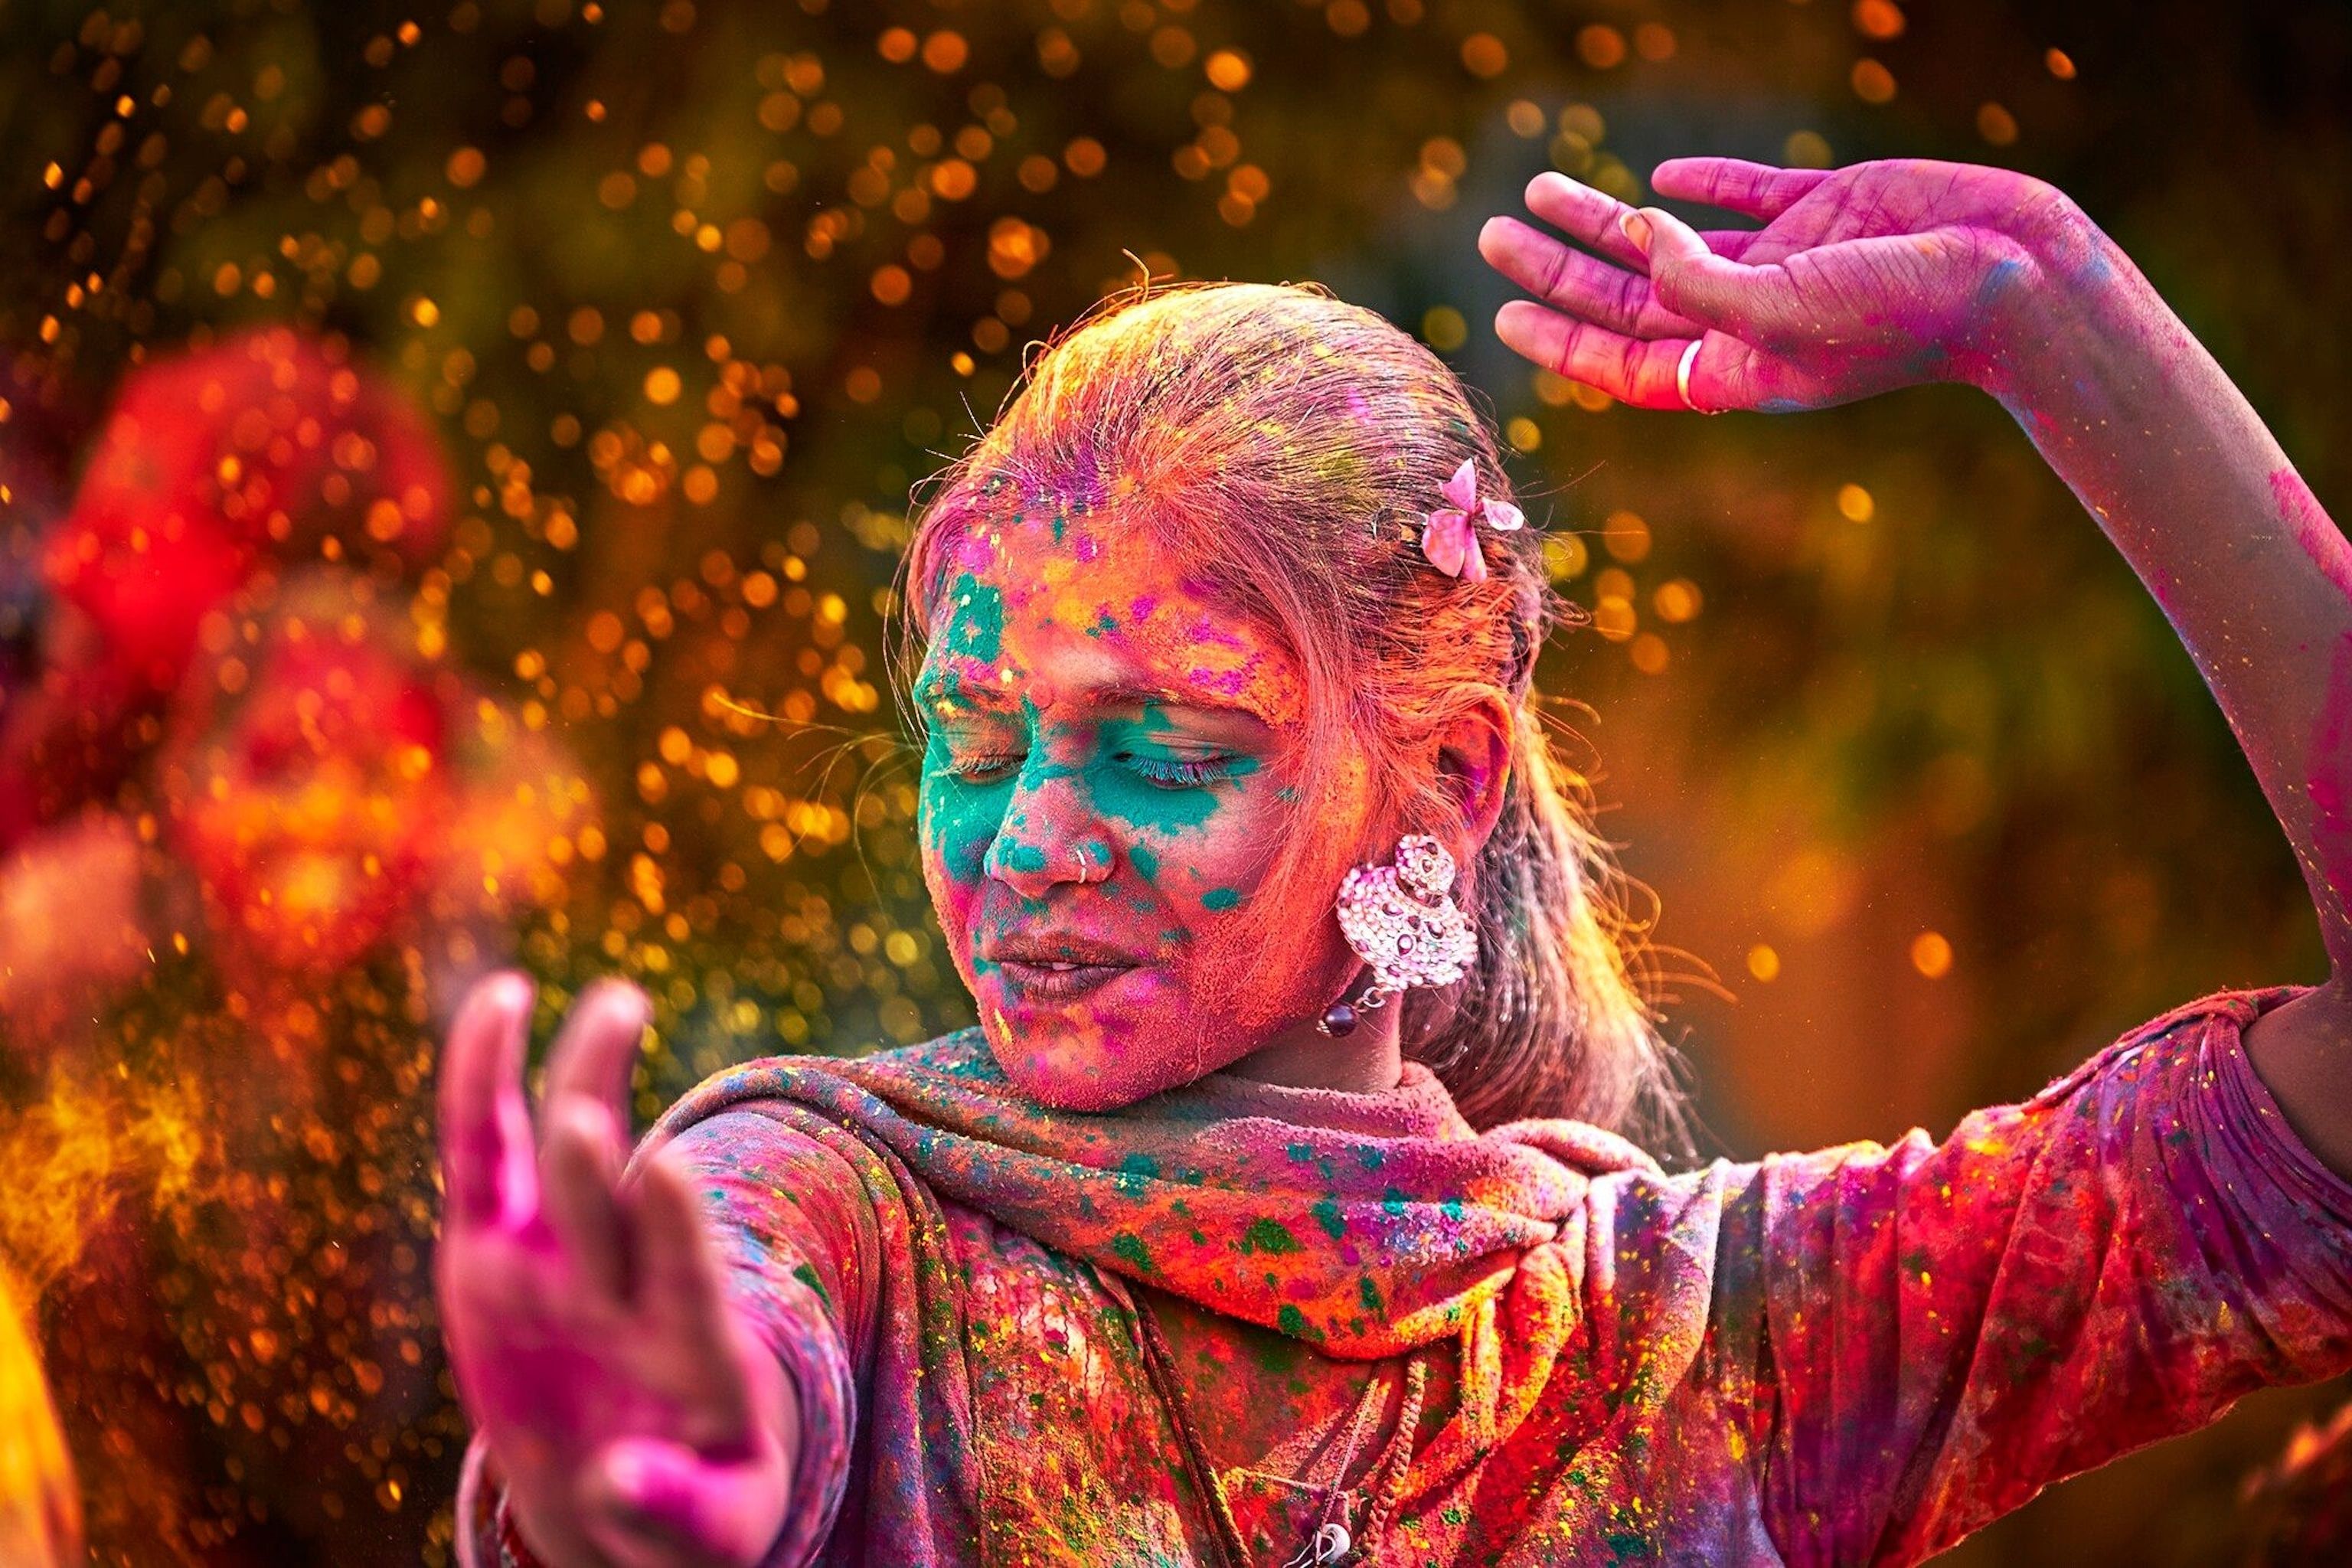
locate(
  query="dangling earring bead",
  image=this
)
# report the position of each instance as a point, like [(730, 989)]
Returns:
[(1402, 919)]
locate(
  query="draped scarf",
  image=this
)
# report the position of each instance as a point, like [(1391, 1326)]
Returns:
[(1364, 1224)]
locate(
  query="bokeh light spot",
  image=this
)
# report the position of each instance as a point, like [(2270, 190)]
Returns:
[(1931, 954)]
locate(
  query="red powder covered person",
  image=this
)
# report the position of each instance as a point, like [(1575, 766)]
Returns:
[(212, 464), (335, 809), (332, 788), (1281, 1206), (310, 798)]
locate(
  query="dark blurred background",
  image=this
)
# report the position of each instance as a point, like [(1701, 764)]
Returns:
[(452, 465)]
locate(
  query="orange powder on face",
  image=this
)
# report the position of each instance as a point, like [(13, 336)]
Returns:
[(1112, 577)]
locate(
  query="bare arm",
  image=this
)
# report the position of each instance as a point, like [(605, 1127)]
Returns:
[(2165, 451), (1891, 274)]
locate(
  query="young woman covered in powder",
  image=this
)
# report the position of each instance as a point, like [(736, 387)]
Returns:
[(1176, 1260)]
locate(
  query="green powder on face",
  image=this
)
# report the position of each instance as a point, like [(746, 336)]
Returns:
[(977, 627)]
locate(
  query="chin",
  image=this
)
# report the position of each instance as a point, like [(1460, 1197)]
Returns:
[(1068, 1070)]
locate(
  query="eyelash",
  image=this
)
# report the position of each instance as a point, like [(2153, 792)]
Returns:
[(1186, 772), (1175, 773), (975, 770)]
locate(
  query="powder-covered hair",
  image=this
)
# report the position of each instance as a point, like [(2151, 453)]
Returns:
[(1285, 448)]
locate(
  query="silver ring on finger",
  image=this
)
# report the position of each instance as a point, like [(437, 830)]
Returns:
[(1683, 374)]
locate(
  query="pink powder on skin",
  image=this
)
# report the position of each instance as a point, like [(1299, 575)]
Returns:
[(2331, 779), (2319, 537), (1104, 605)]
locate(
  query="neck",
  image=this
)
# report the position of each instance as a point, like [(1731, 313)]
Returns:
[(1367, 1061)]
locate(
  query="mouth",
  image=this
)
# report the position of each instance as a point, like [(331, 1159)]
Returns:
[(1038, 979)]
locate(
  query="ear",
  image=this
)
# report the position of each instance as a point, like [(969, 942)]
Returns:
[(1474, 764)]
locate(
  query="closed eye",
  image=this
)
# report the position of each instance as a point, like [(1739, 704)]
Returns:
[(980, 770), (1181, 772)]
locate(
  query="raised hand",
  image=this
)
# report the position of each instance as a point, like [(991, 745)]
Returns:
[(637, 1421), (1862, 279)]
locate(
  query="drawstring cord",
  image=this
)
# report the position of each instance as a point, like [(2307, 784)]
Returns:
[(1384, 1482)]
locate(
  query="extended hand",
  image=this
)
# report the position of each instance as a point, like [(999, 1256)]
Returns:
[(638, 1423), (1863, 280)]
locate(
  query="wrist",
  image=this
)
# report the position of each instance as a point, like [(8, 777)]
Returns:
[(2055, 316)]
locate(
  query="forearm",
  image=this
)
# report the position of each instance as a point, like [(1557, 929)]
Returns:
[(801, 1255), (2185, 480)]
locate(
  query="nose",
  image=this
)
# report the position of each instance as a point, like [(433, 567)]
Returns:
[(1050, 834)]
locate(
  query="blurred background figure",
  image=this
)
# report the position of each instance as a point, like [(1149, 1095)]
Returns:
[(212, 468), (330, 788), (211, 465), (238, 777)]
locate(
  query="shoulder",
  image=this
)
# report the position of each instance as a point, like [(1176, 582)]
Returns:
[(2191, 1025)]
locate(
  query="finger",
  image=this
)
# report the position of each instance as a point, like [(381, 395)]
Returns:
[(1580, 284), (1723, 295), (1639, 371), (1596, 220), (678, 1284), (1584, 214), (1759, 190), (580, 1164), (656, 1493), (598, 1047), (486, 1140)]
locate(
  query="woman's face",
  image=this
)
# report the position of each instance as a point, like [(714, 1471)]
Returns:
[(1108, 777)]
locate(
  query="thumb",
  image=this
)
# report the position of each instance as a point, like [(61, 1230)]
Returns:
[(1692, 281)]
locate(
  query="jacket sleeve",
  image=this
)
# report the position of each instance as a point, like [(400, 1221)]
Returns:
[(1946, 1329)]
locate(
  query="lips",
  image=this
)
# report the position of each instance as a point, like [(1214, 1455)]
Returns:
[(1038, 967), (1041, 951)]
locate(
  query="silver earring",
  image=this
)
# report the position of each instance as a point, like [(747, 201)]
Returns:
[(1402, 921)]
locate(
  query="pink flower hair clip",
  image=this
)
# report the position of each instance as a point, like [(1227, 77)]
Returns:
[(1449, 538)]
